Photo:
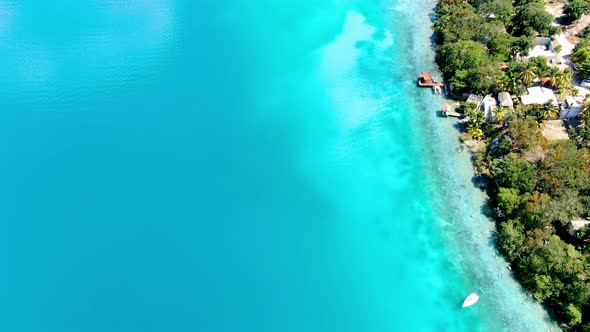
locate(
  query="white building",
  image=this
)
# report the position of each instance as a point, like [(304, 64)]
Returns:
[(539, 95), (572, 107), (489, 105), (545, 47), (505, 99)]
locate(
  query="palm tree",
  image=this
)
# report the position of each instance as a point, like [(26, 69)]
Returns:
[(548, 111), (553, 73), (581, 55), (476, 133), (476, 118), (509, 82), (501, 114), (530, 110), (564, 79), (528, 74), (575, 92)]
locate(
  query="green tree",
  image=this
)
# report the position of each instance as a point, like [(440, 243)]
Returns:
[(541, 65), (520, 3), (509, 82), (514, 172), (482, 79), (545, 287), (548, 111), (542, 112), (573, 315), (521, 46), (508, 200), (534, 207), (528, 74), (501, 114), (521, 136), (583, 233), (581, 55), (511, 239), (535, 16), (577, 292), (581, 133), (552, 31), (576, 8), (584, 69), (563, 208), (460, 81), (549, 255), (464, 29), (487, 31), (449, 2), (500, 46), (552, 73), (461, 55), (475, 119), (564, 167), (564, 79), (476, 133), (503, 10)]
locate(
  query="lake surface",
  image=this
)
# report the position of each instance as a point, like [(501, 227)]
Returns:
[(236, 166)]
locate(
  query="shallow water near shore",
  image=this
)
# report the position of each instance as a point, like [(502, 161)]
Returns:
[(267, 166)]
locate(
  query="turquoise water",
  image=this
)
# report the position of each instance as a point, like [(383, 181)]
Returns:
[(236, 166)]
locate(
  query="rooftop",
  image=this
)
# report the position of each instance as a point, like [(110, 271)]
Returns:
[(574, 101), (505, 99), (539, 95)]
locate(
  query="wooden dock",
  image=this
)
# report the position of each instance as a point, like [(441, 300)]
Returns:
[(453, 114), (425, 80), (446, 110)]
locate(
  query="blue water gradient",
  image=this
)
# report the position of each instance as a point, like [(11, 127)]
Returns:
[(233, 165)]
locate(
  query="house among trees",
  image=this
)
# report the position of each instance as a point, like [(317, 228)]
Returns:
[(545, 47), (489, 106), (505, 100), (539, 95), (544, 42), (572, 107)]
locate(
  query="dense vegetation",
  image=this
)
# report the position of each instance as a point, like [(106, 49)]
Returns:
[(575, 9), (482, 40), (536, 187), (541, 187), (581, 54)]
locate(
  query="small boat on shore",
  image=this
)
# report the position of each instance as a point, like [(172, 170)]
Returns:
[(470, 300)]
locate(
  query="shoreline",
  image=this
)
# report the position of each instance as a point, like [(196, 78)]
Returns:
[(464, 223), (536, 184)]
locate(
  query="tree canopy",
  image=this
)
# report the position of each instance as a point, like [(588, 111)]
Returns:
[(536, 187)]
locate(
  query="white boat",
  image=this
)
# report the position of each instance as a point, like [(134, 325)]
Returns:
[(470, 300)]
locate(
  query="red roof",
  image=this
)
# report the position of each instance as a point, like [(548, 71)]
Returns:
[(425, 76)]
